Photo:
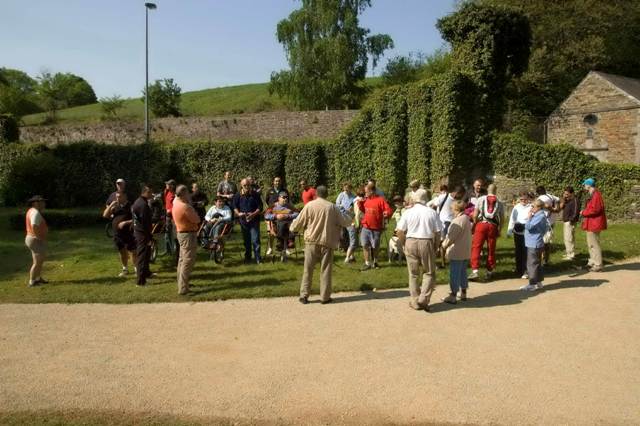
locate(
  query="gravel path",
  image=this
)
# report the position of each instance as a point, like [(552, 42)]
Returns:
[(567, 355)]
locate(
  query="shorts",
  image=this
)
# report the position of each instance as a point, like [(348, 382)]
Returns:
[(370, 238), (36, 245), (124, 241)]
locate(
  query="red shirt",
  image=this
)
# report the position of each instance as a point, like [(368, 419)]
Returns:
[(595, 219), (308, 195), (375, 209), (169, 196)]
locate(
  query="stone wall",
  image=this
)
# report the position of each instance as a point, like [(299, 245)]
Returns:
[(277, 125), (611, 133)]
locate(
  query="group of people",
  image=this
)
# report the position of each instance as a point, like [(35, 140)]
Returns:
[(457, 224)]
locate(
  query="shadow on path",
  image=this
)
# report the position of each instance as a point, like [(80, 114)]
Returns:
[(513, 297), (369, 295)]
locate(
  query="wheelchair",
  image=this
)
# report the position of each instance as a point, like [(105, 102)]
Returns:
[(214, 247), (285, 239)]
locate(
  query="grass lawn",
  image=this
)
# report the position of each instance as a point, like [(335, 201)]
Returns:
[(245, 98), (83, 267)]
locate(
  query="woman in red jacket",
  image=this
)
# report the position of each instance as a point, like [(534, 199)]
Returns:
[(594, 221)]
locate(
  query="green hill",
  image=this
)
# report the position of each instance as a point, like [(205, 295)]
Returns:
[(219, 101)]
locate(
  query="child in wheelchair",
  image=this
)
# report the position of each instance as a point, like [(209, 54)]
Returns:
[(279, 218), (215, 220)]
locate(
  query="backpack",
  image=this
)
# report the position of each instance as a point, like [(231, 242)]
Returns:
[(490, 210)]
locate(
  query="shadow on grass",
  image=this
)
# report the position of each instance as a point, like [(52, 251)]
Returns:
[(514, 297), (211, 288)]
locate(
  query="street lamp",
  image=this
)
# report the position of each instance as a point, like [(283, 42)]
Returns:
[(148, 6)]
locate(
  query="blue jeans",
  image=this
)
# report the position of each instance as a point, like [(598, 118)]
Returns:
[(458, 275), (251, 237)]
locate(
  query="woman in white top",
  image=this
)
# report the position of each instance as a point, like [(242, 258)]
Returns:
[(519, 216)]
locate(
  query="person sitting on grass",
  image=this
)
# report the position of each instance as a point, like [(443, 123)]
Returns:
[(281, 214), (121, 222), (457, 247), (216, 218), (376, 210), (36, 239)]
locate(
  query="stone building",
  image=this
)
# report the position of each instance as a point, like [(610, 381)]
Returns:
[(601, 117)]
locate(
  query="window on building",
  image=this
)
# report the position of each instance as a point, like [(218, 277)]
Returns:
[(589, 133), (590, 119)]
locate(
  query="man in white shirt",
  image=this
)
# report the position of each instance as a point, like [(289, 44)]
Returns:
[(419, 231), (519, 216)]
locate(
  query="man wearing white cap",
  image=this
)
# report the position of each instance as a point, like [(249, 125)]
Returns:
[(419, 231), (120, 188)]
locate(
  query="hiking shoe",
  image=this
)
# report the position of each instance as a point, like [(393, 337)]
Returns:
[(525, 276), (41, 280), (324, 302), (539, 286), (451, 299), (463, 296), (529, 287), (365, 268), (595, 269), (473, 275), (123, 273), (375, 265), (488, 275), (34, 283), (269, 251), (303, 300)]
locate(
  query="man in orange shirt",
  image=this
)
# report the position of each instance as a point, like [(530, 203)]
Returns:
[(307, 192), (376, 210), (187, 223), (36, 239)]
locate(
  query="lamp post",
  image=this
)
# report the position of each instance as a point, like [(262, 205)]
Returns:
[(148, 6)]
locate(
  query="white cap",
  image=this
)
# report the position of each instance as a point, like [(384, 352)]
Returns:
[(420, 196), (120, 180)]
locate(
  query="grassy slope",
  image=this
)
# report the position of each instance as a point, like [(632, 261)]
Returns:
[(219, 101), (83, 265)]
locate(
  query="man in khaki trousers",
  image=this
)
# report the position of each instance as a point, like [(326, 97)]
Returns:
[(187, 221), (322, 222), (419, 230)]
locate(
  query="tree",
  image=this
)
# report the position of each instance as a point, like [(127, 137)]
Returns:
[(328, 54), (571, 38), (78, 91), (439, 62), (18, 95), (63, 90), (111, 105), (403, 69), (164, 98)]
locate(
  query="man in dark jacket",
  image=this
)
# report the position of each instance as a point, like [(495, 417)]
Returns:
[(570, 215), (247, 208), (142, 233)]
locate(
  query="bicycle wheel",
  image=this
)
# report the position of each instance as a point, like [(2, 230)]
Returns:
[(108, 229)]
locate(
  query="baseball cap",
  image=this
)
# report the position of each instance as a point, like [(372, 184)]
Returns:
[(283, 194), (120, 180), (589, 181)]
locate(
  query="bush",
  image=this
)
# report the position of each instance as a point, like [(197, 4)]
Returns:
[(557, 166), (9, 130), (164, 98)]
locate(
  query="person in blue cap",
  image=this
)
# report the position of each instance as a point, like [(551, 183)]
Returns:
[(594, 221)]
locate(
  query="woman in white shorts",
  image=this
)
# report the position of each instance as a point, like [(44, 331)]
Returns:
[(36, 239)]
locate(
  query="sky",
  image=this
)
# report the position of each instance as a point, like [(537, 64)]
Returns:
[(199, 43)]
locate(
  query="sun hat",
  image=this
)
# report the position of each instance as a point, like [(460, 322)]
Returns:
[(36, 198), (420, 196), (589, 181)]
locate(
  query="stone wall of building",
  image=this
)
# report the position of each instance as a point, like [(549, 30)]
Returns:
[(600, 120), (277, 125)]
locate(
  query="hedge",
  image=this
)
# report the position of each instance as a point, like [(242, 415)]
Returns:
[(61, 219), (83, 174), (558, 166), (419, 131)]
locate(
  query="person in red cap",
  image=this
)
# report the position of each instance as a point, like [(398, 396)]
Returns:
[(36, 238), (594, 221)]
